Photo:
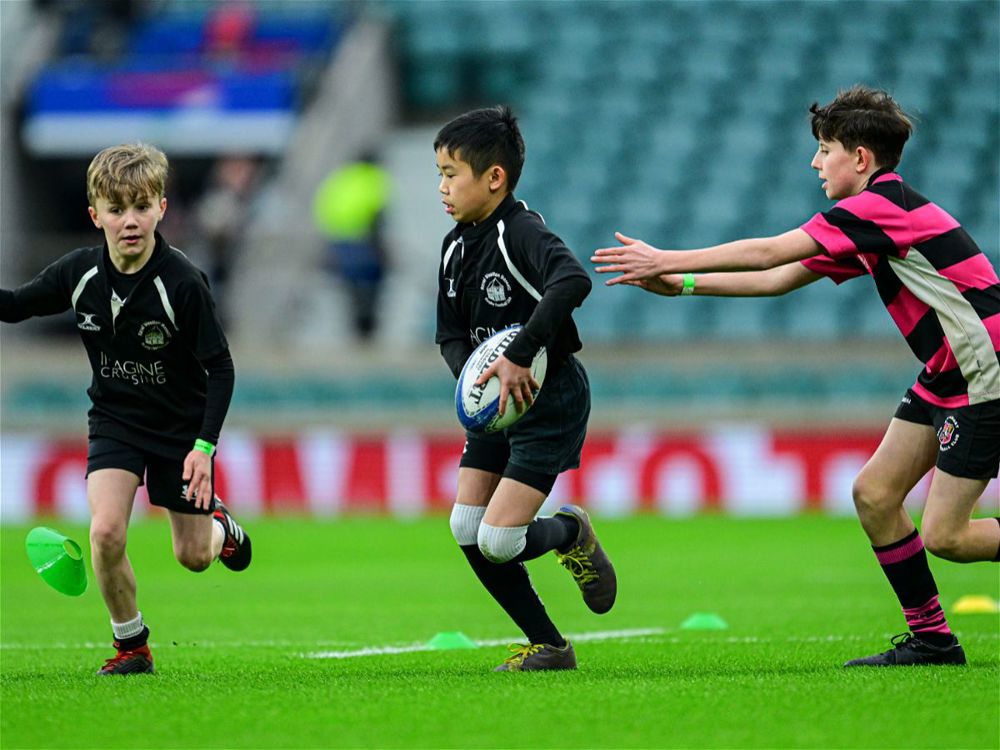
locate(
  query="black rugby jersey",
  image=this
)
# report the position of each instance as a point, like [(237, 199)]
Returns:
[(148, 353), (508, 269)]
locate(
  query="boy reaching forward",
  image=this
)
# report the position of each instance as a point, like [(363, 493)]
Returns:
[(502, 266), (944, 295), (162, 382)]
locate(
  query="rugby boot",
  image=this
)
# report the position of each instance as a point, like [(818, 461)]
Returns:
[(589, 564), (236, 550), (909, 650), (535, 657), (131, 661)]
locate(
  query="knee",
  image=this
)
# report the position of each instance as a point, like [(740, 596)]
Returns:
[(464, 521), (107, 537), (194, 560), (872, 496), (941, 542), (500, 544)]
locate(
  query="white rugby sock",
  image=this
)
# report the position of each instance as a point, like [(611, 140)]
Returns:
[(500, 544), (123, 630), (465, 520)]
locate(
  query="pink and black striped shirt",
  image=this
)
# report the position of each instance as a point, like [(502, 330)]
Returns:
[(939, 287)]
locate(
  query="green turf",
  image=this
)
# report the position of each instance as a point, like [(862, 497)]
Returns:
[(800, 596)]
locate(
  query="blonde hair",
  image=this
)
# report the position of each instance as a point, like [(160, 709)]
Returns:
[(127, 173)]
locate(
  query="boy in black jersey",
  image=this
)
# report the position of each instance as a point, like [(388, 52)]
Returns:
[(501, 266), (162, 382)]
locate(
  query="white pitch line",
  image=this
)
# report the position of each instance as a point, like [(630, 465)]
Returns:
[(602, 635)]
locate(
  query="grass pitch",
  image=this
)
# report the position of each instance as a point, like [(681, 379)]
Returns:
[(800, 596)]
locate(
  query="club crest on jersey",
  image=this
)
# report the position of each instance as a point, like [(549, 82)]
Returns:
[(496, 289), (154, 334), (86, 323), (948, 433)]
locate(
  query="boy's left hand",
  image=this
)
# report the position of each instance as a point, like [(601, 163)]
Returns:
[(515, 381), (634, 260), (198, 475)]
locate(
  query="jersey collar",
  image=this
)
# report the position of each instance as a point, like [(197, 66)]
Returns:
[(471, 232)]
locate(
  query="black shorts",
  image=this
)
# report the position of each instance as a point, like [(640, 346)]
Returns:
[(163, 476), (546, 441), (969, 436)]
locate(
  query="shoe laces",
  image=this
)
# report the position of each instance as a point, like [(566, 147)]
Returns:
[(579, 564), (521, 652), (900, 640), (120, 657)]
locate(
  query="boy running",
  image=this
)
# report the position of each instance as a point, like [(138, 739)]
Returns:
[(162, 382), (502, 266), (943, 294)]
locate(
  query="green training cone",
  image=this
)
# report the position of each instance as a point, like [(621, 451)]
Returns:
[(58, 560), (451, 640), (704, 621)]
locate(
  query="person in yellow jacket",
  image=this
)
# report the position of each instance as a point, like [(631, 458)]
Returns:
[(348, 209)]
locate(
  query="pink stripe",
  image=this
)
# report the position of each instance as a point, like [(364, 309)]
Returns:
[(972, 273), (898, 554), (832, 239), (924, 618), (889, 217), (929, 221), (890, 177), (950, 402), (839, 271), (907, 310), (941, 628), (992, 324), (942, 361), (917, 612)]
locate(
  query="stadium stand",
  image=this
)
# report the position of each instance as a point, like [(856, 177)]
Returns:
[(680, 122), (684, 123)]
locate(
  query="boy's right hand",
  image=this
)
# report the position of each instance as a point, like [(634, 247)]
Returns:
[(634, 259), (667, 285), (514, 380)]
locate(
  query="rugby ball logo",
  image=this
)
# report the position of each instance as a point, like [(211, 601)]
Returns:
[(478, 407)]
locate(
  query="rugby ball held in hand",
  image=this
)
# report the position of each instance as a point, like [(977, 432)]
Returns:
[(479, 406)]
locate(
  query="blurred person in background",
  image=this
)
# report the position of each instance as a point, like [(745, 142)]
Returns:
[(944, 295), (502, 266), (162, 382), (221, 216), (348, 210)]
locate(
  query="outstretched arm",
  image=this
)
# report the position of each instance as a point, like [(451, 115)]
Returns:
[(769, 283), (634, 259)]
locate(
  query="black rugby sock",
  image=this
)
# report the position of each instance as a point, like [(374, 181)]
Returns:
[(547, 534), (509, 584), (133, 642)]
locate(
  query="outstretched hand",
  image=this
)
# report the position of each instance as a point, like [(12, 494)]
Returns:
[(634, 259), (515, 381)]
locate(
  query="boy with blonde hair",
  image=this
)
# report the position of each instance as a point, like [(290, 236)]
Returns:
[(162, 381)]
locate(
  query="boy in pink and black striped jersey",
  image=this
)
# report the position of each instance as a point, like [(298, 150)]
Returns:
[(944, 295)]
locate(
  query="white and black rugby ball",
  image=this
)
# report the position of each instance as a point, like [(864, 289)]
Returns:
[(478, 407)]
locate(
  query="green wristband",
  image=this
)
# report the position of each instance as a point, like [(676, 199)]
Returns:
[(688, 284), (204, 446)]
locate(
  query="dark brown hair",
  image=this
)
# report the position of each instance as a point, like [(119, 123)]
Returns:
[(861, 116)]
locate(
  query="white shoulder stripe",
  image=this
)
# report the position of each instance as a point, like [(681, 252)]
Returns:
[(162, 290), (513, 269), (447, 256), (81, 284)]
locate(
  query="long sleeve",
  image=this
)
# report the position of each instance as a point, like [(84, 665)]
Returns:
[(46, 294), (219, 393)]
